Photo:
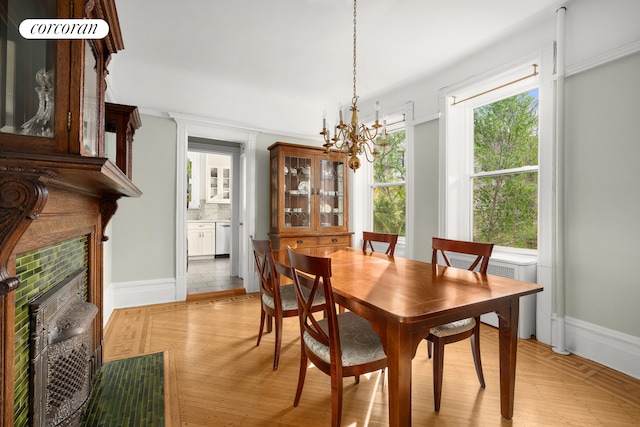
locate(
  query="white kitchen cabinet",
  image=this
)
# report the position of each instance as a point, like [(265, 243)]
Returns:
[(201, 238), (218, 179)]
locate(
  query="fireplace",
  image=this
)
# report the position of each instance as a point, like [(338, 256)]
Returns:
[(61, 353)]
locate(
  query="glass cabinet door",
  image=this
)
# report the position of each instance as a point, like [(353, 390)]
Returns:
[(89, 103), (331, 193), (297, 192), (27, 100)]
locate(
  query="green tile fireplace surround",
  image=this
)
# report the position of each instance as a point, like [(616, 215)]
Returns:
[(38, 271)]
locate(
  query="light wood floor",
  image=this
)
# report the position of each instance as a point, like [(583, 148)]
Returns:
[(218, 377)]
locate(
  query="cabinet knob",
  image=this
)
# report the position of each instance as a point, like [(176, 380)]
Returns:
[(334, 240), (300, 241)]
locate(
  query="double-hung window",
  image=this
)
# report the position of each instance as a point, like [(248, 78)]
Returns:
[(382, 186), (388, 186), (492, 163)]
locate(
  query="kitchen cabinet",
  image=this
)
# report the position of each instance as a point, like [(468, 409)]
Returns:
[(309, 200), (201, 238), (218, 180)]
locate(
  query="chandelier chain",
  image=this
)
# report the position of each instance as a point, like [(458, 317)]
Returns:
[(355, 97)]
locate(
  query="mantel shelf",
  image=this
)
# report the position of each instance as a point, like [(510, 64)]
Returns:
[(92, 175)]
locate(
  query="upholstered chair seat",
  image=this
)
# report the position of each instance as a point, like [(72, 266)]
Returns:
[(358, 341), (288, 298), (454, 328)]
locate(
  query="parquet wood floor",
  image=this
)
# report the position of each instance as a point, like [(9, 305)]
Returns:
[(220, 378)]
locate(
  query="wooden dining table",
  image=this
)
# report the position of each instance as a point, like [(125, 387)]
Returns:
[(403, 299)]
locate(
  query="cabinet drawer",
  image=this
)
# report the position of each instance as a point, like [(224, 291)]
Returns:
[(334, 241), (298, 242), (201, 226)]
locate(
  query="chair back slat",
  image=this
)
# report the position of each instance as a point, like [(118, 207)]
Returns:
[(314, 274), (368, 237), (482, 251), (269, 280)]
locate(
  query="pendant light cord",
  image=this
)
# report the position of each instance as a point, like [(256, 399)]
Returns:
[(355, 97)]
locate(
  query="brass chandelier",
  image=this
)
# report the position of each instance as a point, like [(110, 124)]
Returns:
[(355, 138)]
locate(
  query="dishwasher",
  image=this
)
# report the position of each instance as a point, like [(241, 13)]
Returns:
[(223, 239)]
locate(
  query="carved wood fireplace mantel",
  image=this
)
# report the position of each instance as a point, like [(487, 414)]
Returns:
[(58, 179)]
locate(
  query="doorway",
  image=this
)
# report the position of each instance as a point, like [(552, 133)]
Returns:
[(188, 127), (212, 200)]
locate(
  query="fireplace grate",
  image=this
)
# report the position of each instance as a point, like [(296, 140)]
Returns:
[(67, 376), (61, 360)]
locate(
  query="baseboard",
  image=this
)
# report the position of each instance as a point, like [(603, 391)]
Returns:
[(143, 292), (107, 305), (613, 349)]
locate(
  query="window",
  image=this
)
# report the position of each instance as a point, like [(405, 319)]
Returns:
[(505, 176), (492, 162), (388, 186)]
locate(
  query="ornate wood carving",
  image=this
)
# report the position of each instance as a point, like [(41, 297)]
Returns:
[(108, 208), (22, 198)]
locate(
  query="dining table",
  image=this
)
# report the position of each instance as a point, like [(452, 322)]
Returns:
[(403, 299)]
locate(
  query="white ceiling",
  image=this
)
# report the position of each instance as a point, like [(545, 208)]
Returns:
[(277, 64)]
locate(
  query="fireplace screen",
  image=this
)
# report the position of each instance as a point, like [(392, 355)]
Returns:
[(61, 343)]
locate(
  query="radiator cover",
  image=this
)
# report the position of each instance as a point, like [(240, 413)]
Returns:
[(512, 267)]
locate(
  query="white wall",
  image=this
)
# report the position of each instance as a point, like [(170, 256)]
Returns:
[(425, 197), (602, 201), (143, 229)]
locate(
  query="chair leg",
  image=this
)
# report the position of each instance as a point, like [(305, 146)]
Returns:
[(276, 355), (438, 367), (357, 377), (336, 400), (301, 376), (262, 317), (269, 322), (475, 349), (429, 347)]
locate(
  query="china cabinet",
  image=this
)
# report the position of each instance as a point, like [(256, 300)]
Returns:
[(57, 182), (309, 201)]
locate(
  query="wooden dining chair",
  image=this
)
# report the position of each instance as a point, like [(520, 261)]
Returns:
[(368, 237), (340, 345), (459, 330), (277, 302)]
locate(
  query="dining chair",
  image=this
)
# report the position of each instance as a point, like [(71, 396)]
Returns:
[(461, 329), (340, 345), (277, 302), (368, 237)]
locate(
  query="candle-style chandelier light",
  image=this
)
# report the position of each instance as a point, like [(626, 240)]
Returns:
[(353, 137)]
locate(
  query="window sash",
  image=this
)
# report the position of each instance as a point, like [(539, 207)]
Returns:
[(512, 171)]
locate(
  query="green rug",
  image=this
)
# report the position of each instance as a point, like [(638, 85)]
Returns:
[(128, 392)]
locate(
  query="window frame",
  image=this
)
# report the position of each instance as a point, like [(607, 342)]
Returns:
[(457, 146), (363, 184)]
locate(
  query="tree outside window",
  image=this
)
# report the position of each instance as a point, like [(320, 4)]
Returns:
[(389, 180), (505, 176)]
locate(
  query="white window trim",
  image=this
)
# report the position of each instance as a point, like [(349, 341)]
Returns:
[(456, 162)]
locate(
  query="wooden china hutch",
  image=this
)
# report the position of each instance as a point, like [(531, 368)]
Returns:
[(57, 181), (309, 197)]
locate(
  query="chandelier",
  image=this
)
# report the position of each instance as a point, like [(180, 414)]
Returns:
[(353, 137)]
